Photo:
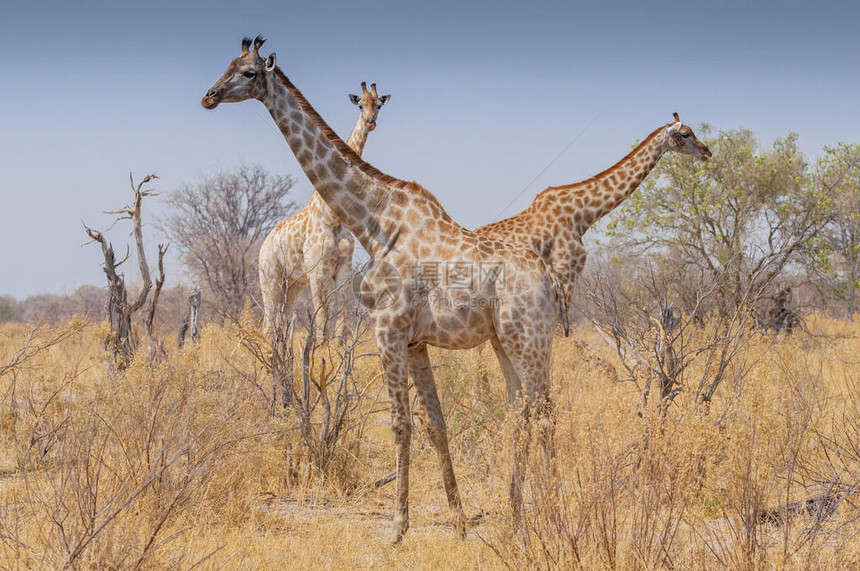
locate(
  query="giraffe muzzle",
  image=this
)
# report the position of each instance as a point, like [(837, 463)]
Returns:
[(211, 99)]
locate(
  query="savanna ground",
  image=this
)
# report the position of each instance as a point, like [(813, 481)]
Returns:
[(182, 464)]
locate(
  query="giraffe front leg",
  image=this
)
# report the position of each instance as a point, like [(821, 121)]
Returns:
[(343, 278), (422, 376), (278, 300), (392, 348), (319, 298), (521, 442), (281, 341), (273, 291), (525, 364), (536, 387), (514, 388)]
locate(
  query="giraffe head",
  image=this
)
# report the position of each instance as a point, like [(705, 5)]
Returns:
[(370, 103), (244, 78), (682, 140)]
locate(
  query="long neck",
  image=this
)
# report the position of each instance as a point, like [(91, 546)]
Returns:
[(356, 141), (358, 137), (603, 193), (350, 187)]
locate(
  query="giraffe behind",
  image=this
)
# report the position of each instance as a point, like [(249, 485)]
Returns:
[(313, 247), (554, 223)]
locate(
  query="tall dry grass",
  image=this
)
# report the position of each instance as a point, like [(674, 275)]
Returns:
[(182, 464)]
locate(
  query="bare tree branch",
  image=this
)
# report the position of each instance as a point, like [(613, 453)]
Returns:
[(121, 341), (218, 225), (32, 345)]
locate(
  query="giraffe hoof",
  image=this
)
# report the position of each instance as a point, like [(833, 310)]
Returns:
[(398, 531)]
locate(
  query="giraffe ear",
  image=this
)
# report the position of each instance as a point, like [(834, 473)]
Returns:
[(270, 62), (385, 99), (355, 99)]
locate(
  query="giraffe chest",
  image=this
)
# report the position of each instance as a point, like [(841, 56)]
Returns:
[(324, 245), (546, 239), (567, 256), (454, 320), (543, 245), (560, 247)]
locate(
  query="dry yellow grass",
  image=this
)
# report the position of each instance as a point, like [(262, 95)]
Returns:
[(180, 463)]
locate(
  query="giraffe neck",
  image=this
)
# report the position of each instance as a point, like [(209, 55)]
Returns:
[(356, 141), (358, 137), (604, 192), (354, 190)]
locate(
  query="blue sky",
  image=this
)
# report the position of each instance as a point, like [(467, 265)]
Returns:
[(484, 96)]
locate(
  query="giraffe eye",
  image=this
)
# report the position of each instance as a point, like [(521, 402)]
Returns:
[(685, 135), (249, 74)]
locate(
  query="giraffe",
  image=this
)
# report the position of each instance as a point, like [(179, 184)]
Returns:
[(554, 223), (313, 247), (482, 289)]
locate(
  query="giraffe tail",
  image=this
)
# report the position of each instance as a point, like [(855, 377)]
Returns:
[(561, 301)]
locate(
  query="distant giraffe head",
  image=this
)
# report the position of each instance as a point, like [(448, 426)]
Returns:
[(682, 140), (244, 78), (369, 102)]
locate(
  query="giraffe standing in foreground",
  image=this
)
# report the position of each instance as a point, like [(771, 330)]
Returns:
[(482, 288), (313, 246), (554, 223)]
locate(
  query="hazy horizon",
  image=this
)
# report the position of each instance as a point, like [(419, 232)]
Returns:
[(484, 97)]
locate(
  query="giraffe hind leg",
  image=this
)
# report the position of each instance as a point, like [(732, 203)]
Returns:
[(422, 376)]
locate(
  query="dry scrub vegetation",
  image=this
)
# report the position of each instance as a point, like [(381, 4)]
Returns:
[(182, 464)]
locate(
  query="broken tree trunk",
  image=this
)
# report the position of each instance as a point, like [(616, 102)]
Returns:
[(156, 348), (121, 342), (190, 324)]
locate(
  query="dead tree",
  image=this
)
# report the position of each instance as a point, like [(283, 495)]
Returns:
[(190, 324), (121, 342), (323, 401), (634, 311), (156, 348), (323, 397)]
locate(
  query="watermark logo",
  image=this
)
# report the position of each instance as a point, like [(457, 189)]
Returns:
[(434, 282), (454, 275)]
